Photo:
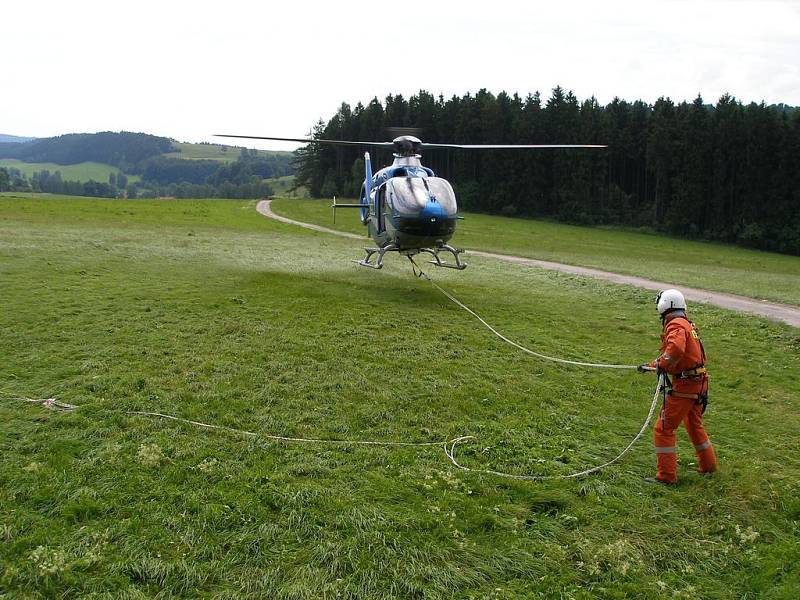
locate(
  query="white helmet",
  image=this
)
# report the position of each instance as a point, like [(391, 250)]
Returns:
[(669, 300)]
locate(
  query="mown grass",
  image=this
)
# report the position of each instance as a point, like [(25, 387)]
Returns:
[(718, 267), (206, 310), (79, 172)]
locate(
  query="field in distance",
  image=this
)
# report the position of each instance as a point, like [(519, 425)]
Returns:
[(209, 311), (78, 172), (718, 267), (220, 152)]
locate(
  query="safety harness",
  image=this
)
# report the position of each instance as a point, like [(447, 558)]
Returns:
[(696, 372)]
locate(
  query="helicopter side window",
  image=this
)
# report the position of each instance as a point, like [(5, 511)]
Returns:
[(381, 208)]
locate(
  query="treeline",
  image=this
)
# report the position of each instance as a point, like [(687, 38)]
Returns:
[(12, 179), (252, 189), (164, 170), (246, 177), (727, 172)]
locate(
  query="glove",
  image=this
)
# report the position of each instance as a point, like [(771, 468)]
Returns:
[(644, 368)]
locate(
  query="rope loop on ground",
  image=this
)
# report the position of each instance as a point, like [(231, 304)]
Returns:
[(449, 446), (450, 450)]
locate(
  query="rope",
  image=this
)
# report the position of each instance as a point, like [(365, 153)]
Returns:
[(448, 445), (418, 272), (450, 450), (52, 403), (47, 402), (283, 438)]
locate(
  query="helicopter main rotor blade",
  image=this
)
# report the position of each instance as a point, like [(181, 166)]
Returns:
[(309, 140), (426, 145)]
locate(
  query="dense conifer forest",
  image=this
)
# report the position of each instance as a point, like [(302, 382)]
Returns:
[(727, 172)]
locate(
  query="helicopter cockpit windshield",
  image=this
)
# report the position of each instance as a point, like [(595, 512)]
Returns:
[(410, 171), (408, 196)]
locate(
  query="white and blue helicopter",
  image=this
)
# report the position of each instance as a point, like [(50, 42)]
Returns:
[(405, 207)]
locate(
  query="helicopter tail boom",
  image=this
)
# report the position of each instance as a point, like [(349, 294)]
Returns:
[(334, 206)]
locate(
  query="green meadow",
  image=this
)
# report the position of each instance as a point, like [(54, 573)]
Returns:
[(704, 265), (79, 172), (218, 152), (208, 311)]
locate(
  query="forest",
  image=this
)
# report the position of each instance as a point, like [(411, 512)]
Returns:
[(728, 172)]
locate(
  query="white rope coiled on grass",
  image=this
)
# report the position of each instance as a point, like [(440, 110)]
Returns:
[(448, 445), (284, 438), (450, 451), (47, 402)]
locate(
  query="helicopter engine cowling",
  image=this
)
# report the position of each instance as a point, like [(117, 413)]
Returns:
[(423, 210)]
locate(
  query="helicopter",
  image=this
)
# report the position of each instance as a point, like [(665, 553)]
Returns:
[(405, 206)]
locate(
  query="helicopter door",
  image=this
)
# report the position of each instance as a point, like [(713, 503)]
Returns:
[(380, 209)]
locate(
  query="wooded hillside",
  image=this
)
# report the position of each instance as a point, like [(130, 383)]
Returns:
[(156, 162), (728, 172)]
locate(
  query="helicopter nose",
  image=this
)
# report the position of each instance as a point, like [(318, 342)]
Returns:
[(432, 211)]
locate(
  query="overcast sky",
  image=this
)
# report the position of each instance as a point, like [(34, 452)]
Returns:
[(189, 69)]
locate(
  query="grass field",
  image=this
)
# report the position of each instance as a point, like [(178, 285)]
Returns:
[(218, 152), (208, 311), (718, 267), (79, 172)]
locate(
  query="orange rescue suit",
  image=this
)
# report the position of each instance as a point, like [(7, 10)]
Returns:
[(682, 356)]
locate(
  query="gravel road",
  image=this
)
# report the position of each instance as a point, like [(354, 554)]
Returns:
[(771, 310)]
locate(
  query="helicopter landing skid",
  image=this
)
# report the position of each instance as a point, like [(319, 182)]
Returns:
[(440, 263), (378, 264)]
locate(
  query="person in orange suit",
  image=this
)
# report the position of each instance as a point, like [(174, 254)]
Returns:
[(683, 359)]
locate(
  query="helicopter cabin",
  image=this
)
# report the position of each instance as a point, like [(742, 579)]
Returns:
[(416, 202)]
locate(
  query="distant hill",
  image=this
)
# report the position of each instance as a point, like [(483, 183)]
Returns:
[(14, 139), (123, 149), (128, 151), (156, 166)]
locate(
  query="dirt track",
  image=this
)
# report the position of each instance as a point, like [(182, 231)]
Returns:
[(771, 310)]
